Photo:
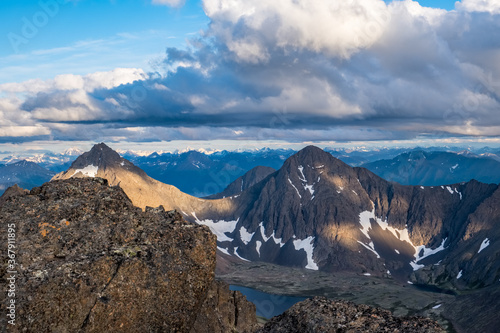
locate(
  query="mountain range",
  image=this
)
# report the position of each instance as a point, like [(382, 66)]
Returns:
[(204, 173), (244, 182), (437, 168), (23, 173), (320, 213)]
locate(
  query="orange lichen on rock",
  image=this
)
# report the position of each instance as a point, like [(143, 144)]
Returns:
[(44, 225)]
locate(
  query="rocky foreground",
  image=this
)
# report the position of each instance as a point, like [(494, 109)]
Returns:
[(88, 260), (322, 315)]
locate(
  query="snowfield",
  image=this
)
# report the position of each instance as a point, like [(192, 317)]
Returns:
[(89, 171), (307, 245)]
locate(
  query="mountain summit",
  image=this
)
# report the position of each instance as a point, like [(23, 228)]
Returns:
[(100, 157), (102, 161)]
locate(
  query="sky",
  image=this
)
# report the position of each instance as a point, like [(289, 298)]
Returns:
[(246, 73)]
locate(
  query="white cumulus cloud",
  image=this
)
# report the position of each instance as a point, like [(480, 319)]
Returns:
[(289, 70), (252, 28), (491, 6)]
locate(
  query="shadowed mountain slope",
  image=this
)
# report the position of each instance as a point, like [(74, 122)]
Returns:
[(244, 182)]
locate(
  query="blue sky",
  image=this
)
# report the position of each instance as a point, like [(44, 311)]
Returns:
[(215, 71), (102, 35), (444, 4)]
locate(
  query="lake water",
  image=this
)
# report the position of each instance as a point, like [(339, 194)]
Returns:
[(268, 305)]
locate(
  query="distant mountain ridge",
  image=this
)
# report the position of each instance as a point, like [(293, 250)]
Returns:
[(244, 182), (319, 213), (23, 173), (436, 168), (208, 172), (203, 174)]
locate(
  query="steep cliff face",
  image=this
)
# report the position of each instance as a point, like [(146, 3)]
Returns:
[(87, 260)]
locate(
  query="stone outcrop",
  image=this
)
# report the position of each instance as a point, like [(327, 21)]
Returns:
[(11, 192), (87, 260), (225, 310), (321, 315)]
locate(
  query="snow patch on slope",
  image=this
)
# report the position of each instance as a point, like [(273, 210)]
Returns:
[(245, 236), (301, 169), (219, 228), (89, 171), (294, 187), (364, 220), (370, 247), (402, 235), (309, 188), (258, 244), (265, 238), (416, 266), (304, 180), (484, 244), (428, 251), (223, 250), (307, 245), (236, 254)]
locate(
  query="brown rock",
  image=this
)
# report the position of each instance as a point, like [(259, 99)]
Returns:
[(87, 260), (225, 311), (11, 192), (326, 316)]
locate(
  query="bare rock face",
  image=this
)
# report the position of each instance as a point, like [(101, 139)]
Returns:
[(87, 260), (321, 315), (225, 311), (11, 192)]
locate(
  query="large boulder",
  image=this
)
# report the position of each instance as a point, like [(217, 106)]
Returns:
[(87, 260)]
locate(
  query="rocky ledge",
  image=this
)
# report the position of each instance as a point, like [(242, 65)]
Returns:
[(322, 315), (87, 260)]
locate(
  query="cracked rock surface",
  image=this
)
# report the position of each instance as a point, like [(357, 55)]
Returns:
[(89, 261), (319, 314)]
